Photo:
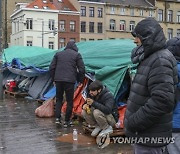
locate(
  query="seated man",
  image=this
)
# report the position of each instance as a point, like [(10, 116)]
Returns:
[(103, 109)]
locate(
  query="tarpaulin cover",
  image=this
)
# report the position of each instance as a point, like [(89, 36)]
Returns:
[(108, 59), (29, 56)]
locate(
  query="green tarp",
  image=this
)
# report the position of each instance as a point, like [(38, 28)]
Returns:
[(109, 59), (35, 56)]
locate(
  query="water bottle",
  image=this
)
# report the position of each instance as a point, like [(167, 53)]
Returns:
[(75, 135)]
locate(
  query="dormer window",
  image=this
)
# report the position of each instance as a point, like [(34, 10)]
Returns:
[(36, 7), (44, 1), (45, 7)]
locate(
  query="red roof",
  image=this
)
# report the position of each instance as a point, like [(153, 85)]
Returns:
[(42, 4)]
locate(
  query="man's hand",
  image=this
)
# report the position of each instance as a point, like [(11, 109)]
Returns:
[(85, 106), (89, 101), (80, 85)]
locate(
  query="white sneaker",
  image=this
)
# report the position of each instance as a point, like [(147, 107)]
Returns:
[(108, 130), (96, 131)]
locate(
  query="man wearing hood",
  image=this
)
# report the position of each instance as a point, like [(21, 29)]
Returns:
[(148, 118), (64, 69), (173, 45)]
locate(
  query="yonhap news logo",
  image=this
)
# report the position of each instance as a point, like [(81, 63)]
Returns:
[(104, 140), (143, 140)]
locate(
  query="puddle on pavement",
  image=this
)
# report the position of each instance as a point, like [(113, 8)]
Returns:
[(83, 140)]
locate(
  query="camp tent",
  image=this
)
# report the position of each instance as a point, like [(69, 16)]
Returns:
[(108, 59)]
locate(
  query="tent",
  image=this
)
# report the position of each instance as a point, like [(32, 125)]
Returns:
[(108, 59)]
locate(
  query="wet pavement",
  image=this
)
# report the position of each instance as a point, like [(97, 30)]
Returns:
[(21, 132)]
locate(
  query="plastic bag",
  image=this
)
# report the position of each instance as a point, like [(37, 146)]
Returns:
[(46, 110)]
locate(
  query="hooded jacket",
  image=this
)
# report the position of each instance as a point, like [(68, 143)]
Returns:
[(67, 65), (152, 94), (105, 103), (173, 45)]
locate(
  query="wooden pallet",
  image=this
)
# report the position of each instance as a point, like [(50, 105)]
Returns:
[(15, 94), (116, 132), (40, 101)]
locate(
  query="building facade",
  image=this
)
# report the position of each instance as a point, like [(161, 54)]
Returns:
[(107, 19), (34, 26), (8, 7), (46, 23), (168, 15)]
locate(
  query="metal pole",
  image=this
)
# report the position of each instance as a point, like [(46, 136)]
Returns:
[(42, 33), (1, 73), (5, 27)]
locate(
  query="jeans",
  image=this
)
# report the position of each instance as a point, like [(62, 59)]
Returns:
[(68, 88)]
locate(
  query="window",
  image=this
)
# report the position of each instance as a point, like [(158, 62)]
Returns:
[(91, 27), (51, 24), (178, 32), (45, 7), (122, 11), (91, 12), (122, 25), (170, 33), (160, 15), (131, 26), (150, 13), (62, 25), (178, 17), (62, 42), (112, 10), (36, 7), (141, 12), (29, 23), (170, 16), (73, 39), (72, 26), (83, 39), (132, 12), (83, 11), (83, 26), (100, 27), (44, 1), (100, 12), (51, 45), (29, 43), (112, 24), (91, 39)]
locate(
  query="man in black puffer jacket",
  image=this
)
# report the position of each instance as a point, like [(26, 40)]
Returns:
[(64, 69), (148, 118), (104, 112)]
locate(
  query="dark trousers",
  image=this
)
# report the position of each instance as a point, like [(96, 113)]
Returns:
[(140, 149), (68, 88)]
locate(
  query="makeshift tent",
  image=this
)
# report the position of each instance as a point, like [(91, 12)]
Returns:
[(27, 61), (108, 59)]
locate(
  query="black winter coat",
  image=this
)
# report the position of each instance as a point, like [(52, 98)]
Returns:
[(152, 94), (67, 65), (105, 103)]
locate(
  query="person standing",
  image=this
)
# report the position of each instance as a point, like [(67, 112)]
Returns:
[(152, 95), (103, 112), (173, 45), (66, 68)]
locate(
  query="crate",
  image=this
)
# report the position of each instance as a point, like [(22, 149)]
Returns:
[(15, 94)]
